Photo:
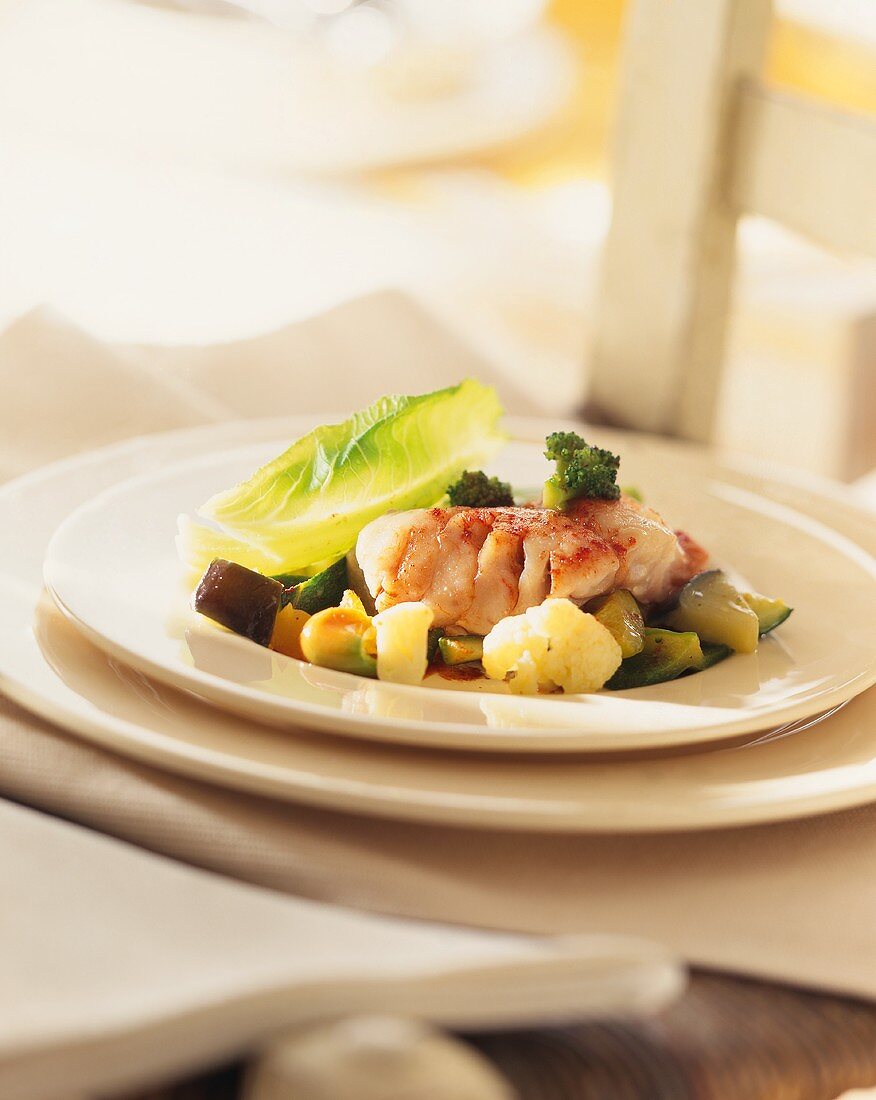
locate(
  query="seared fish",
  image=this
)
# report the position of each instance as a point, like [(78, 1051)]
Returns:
[(475, 566)]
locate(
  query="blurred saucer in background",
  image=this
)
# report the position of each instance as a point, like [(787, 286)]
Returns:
[(166, 82)]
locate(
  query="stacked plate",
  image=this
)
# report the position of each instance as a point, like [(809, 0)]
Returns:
[(97, 635)]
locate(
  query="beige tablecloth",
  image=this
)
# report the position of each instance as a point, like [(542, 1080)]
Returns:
[(794, 902)]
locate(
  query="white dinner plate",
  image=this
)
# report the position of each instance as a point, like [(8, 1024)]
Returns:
[(48, 667), (112, 566)]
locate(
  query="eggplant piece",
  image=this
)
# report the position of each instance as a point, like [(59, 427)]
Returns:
[(710, 605), (461, 649), (240, 599), (325, 589), (666, 655), (622, 618)]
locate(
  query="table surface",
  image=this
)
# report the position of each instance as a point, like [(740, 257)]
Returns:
[(726, 1038)]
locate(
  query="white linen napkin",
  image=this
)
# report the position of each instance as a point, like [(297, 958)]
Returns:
[(794, 901), (64, 391), (120, 966)]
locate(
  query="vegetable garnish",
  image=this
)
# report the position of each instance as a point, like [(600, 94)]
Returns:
[(589, 590), (554, 646), (308, 505), (474, 489), (710, 605), (325, 589), (341, 638), (666, 655), (622, 618), (462, 649), (582, 471), (240, 599)]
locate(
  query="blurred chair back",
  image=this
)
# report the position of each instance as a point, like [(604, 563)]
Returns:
[(700, 140)]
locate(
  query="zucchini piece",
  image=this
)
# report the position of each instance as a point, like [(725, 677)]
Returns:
[(622, 618), (461, 650), (666, 655), (325, 589), (709, 605), (240, 599), (713, 654), (770, 613), (289, 580), (433, 639)]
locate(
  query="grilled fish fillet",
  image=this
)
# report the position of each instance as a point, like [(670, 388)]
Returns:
[(475, 566)]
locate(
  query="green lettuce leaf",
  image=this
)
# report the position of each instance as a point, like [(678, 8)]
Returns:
[(309, 505)]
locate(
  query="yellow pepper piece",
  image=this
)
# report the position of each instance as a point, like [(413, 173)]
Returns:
[(286, 636), (341, 638)]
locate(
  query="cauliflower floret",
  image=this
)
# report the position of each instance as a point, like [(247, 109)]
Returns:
[(554, 645), (402, 636), (515, 646)]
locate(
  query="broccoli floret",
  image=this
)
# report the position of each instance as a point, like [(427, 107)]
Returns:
[(582, 471), (474, 489)]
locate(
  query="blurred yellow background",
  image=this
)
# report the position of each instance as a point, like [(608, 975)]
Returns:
[(839, 70)]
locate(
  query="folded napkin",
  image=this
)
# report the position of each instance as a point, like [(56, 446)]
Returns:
[(794, 902), (64, 391), (127, 965)]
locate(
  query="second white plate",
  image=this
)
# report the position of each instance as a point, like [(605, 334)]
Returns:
[(113, 569), (47, 666)]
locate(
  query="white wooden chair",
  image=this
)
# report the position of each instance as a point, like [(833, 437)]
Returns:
[(700, 140)]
